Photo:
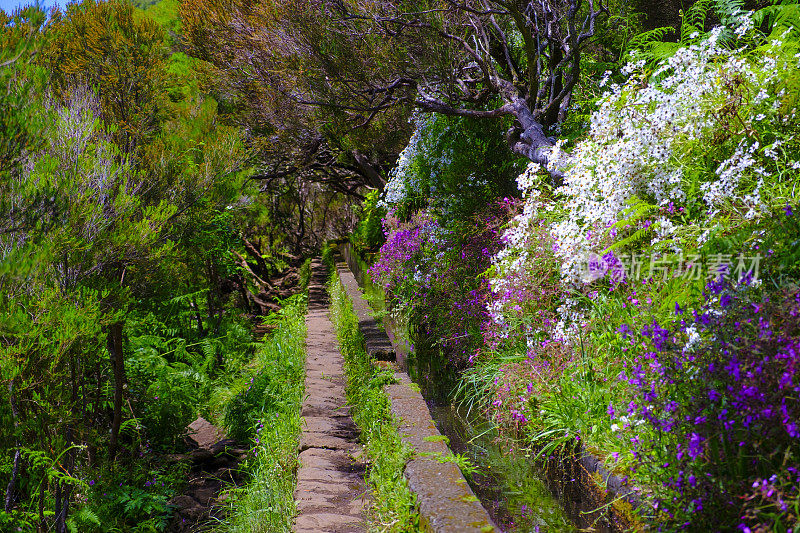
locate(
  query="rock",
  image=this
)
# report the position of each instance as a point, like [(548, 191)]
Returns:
[(204, 434), (215, 461)]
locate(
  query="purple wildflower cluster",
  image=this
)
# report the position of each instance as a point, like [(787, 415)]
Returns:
[(402, 254), (721, 388), (524, 303), (439, 276)]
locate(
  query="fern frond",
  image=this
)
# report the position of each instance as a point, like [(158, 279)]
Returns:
[(645, 41), (694, 20), (130, 427), (779, 18), (728, 11), (187, 298), (83, 517), (209, 347), (637, 211), (632, 240)]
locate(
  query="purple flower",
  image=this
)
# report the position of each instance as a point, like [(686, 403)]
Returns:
[(695, 445), (625, 331)]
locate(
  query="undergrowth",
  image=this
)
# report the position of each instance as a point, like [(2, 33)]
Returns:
[(393, 506), (264, 407)]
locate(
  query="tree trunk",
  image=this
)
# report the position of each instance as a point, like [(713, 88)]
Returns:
[(197, 318), (114, 343), (12, 484), (533, 143), (57, 509), (255, 252), (373, 177), (42, 520)]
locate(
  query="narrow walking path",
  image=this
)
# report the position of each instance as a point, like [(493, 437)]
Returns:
[(330, 493), (214, 468)]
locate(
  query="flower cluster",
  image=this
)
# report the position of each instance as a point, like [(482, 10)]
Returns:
[(401, 267), (403, 180), (527, 292), (708, 119), (721, 388), (436, 273)]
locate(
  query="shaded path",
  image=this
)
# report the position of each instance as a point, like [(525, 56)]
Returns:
[(214, 468), (330, 493)]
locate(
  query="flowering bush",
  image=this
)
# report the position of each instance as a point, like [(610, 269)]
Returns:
[(698, 134), (436, 275), (526, 291), (442, 227), (403, 268), (454, 167), (720, 388)]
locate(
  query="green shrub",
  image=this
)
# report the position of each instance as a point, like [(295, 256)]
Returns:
[(368, 233)]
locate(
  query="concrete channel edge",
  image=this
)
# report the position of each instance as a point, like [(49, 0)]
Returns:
[(446, 501)]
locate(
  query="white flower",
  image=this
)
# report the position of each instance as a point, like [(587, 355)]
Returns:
[(693, 340)]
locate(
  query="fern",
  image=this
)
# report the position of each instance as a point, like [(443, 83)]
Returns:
[(648, 40), (82, 520), (728, 11), (694, 20), (130, 427), (187, 298), (652, 47), (778, 18), (630, 217)]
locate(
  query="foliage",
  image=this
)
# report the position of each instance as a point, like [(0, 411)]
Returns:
[(442, 227), (453, 166), (79, 51), (368, 233), (120, 199), (720, 389), (19, 123)]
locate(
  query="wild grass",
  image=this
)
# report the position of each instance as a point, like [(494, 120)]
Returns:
[(394, 506), (266, 502)]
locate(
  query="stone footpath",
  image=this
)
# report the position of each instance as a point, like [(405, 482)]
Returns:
[(331, 494), (214, 461)]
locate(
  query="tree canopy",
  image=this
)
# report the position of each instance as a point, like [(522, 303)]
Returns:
[(353, 70)]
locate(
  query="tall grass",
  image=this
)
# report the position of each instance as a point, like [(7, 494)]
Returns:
[(394, 506), (266, 502)]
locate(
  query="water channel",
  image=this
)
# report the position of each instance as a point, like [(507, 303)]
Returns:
[(507, 482)]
